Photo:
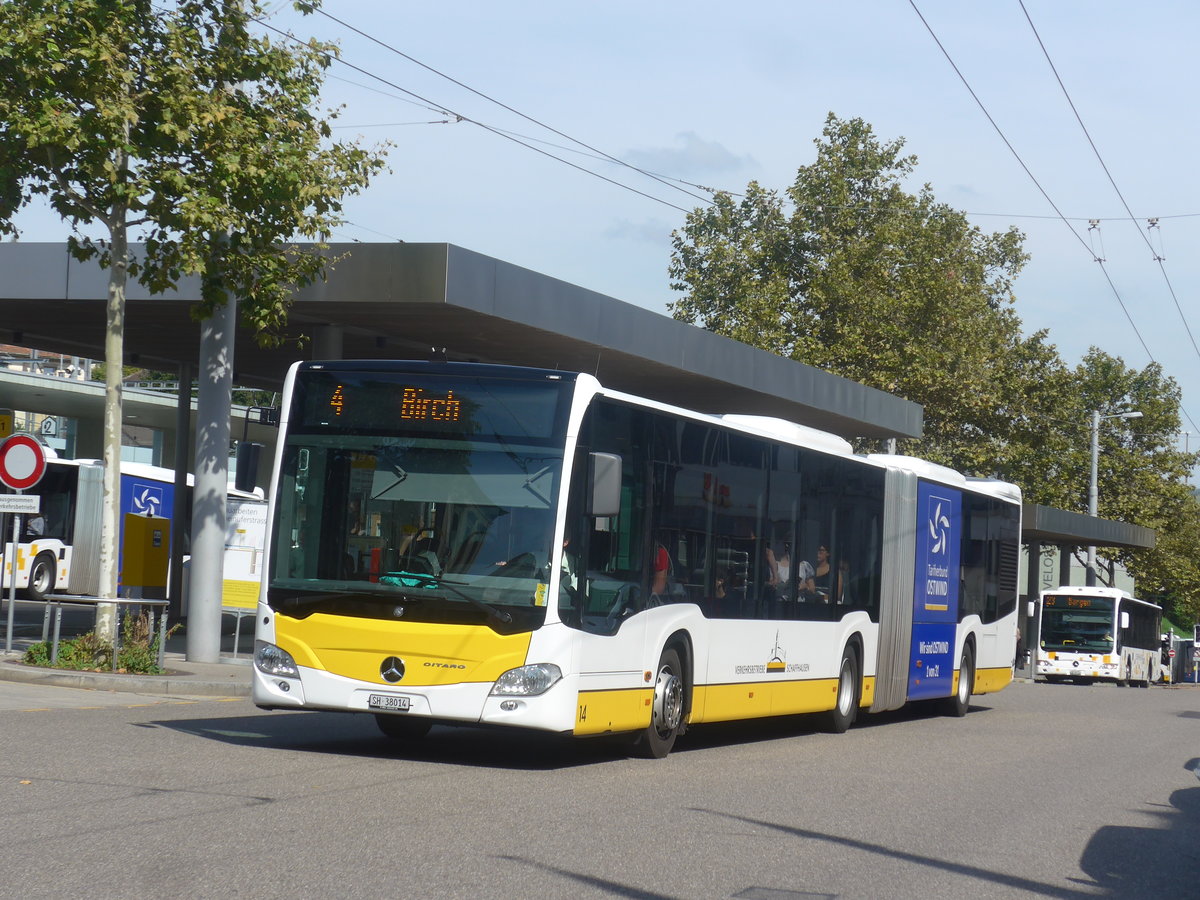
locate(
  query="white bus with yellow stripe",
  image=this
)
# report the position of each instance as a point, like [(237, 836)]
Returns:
[(466, 543), (1089, 634)]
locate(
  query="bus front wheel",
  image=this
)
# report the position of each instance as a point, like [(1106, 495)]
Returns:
[(666, 718), (961, 701), (41, 577)]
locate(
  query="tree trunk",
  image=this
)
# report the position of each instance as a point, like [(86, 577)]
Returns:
[(114, 358)]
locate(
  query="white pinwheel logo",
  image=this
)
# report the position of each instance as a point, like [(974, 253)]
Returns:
[(147, 500), (939, 530)]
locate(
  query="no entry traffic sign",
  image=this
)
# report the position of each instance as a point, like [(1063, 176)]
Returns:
[(22, 462)]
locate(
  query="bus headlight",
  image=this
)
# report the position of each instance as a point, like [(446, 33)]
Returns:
[(272, 660), (527, 681)]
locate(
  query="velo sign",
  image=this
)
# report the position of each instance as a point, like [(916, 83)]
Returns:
[(22, 462)]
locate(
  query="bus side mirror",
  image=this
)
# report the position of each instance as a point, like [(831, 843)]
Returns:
[(248, 454), (604, 481), (1031, 609), (1124, 620)]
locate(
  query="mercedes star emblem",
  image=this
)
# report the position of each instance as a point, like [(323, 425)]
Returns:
[(392, 669)]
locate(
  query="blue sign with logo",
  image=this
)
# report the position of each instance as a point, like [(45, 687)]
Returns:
[(144, 497), (935, 592)]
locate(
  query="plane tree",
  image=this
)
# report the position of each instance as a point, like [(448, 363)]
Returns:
[(850, 272), (185, 127)]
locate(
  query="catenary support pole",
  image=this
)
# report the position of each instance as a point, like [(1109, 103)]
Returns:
[(1093, 493)]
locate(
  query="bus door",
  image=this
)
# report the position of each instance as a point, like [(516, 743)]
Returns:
[(936, 592)]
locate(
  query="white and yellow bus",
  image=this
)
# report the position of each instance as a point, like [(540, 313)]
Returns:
[(1089, 634), (468, 543)]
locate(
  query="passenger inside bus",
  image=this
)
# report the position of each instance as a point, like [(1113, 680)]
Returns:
[(821, 580)]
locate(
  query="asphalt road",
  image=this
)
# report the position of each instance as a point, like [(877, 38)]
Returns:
[(1042, 790)]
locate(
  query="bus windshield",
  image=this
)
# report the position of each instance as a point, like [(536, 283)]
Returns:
[(435, 520), (1080, 624)]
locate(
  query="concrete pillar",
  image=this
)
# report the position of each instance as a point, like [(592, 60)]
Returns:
[(89, 438), (328, 342), (211, 484), (1033, 584)]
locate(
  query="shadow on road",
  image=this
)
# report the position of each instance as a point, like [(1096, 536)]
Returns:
[(355, 734), (351, 734), (1119, 859), (1159, 861)]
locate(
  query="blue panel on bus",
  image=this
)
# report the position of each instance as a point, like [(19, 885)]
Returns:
[(939, 535), (931, 672)]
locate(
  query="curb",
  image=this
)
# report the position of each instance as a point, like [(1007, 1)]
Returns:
[(176, 682)]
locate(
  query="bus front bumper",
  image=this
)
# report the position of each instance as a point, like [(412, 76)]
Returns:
[(473, 703)]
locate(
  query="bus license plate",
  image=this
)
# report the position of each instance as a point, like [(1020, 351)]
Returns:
[(388, 701)]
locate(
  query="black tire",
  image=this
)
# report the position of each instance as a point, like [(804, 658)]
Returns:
[(402, 728), (849, 688), (41, 577), (666, 720), (961, 701)]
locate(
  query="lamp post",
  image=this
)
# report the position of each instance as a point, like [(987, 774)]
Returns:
[(1092, 492)]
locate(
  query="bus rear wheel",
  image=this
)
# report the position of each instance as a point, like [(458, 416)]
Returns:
[(666, 718), (402, 728), (41, 577), (961, 701), (841, 717)]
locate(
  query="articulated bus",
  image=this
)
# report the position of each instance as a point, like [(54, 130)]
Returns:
[(1089, 634), (467, 543), (59, 549)]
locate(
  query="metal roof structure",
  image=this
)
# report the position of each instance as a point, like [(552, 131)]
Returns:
[(400, 300), (1048, 525)]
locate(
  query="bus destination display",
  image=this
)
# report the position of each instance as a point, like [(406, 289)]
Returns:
[(432, 405), (416, 405), (1052, 601)]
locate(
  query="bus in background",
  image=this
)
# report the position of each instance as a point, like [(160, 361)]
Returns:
[(467, 543), (1089, 634), (58, 550)]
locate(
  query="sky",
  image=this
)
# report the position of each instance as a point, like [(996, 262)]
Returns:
[(720, 94)]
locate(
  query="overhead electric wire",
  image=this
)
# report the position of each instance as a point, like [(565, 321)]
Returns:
[(484, 126), (1155, 254), (1032, 178), (505, 106)]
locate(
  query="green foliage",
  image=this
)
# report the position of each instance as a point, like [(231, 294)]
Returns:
[(88, 652), (184, 125), (891, 289)]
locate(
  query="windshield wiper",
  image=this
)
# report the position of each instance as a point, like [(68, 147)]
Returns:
[(431, 581)]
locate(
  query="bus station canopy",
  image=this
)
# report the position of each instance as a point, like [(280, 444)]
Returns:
[(1048, 525), (401, 300)]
